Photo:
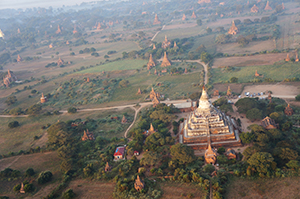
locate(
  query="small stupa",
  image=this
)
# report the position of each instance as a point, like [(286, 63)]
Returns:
[(58, 30), (210, 155), (175, 45), (155, 101), (283, 8), (233, 29), (183, 17), (43, 99), (60, 62), (154, 47), (268, 7), (124, 120), (193, 15), (67, 42), (19, 31), (165, 44), (156, 20), (155, 72), (99, 26), (19, 59), (254, 9), (22, 188), (288, 110), (107, 167), (287, 58), (165, 61), (139, 92), (151, 63), (139, 184), (74, 31), (185, 70), (229, 91), (256, 74), (297, 58), (51, 46)]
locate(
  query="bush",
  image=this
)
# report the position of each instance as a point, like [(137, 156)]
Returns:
[(69, 194), (72, 110), (44, 177), (29, 172), (297, 97), (13, 124), (28, 188), (17, 188)]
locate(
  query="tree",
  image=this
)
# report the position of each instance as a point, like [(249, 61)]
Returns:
[(11, 100), (293, 164), (28, 188), (242, 41), (69, 194), (150, 158), (208, 30), (221, 39), (182, 154), (195, 96), (208, 168), (123, 83), (297, 97), (261, 161), (34, 109), (278, 8), (254, 114), (72, 110), (199, 22), (247, 138), (29, 172), (13, 124), (44, 177), (233, 80), (246, 104), (206, 57)]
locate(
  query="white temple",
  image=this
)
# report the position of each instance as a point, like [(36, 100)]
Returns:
[(208, 124)]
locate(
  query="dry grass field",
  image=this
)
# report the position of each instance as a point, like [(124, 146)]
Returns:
[(21, 138), (252, 47), (255, 60), (38, 161), (286, 188), (92, 190)]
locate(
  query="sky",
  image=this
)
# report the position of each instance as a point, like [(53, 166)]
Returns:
[(15, 4)]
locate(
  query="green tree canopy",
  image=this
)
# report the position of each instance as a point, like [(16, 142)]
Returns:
[(261, 161), (11, 100), (150, 158), (182, 154)]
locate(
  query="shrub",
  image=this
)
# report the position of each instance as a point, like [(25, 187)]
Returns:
[(17, 188), (72, 110), (44, 177), (29, 172), (28, 188), (13, 124), (69, 194)]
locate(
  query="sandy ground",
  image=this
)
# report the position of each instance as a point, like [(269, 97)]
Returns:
[(85, 189), (265, 59), (277, 89)]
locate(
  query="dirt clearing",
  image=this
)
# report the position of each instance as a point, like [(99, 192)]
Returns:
[(255, 60)]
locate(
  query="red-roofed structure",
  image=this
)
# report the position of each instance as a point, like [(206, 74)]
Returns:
[(119, 153)]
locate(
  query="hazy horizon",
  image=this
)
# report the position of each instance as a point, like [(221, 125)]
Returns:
[(23, 4)]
